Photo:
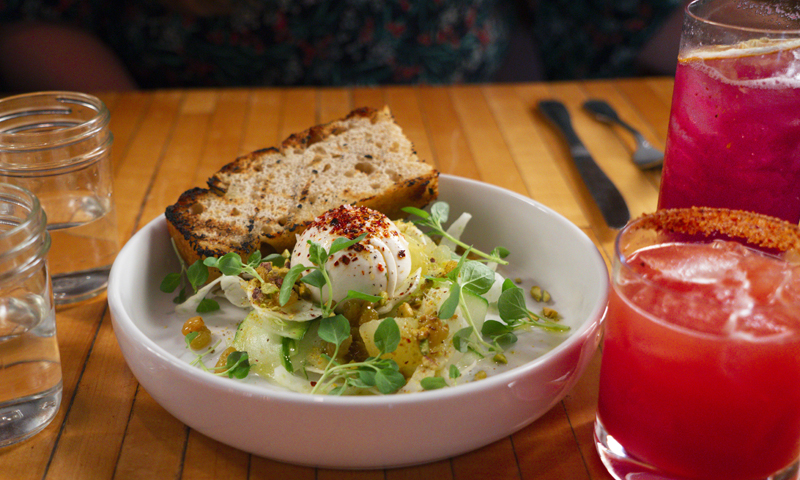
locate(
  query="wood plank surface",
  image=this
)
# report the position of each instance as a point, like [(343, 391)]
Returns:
[(168, 141)]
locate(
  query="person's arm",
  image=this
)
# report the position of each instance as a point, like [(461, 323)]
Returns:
[(45, 56)]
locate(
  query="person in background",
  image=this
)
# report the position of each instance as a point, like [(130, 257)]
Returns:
[(195, 43), (93, 45)]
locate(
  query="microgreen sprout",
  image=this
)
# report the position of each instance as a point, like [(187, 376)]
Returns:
[(434, 383), (434, 220), (515, 314), (318, 275), (478, 279), (197, 275), (373, 373), (237, 364), (231, 264)]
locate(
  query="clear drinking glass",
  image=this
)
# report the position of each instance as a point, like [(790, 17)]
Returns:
[(734, 138), (58, 145), (30, 366), (700, 375)]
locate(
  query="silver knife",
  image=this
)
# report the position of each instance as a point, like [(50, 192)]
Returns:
[(610, 202)]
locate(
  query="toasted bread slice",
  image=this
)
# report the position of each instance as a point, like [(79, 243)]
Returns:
[(264, 199)]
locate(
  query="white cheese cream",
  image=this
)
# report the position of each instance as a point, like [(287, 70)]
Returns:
[(380, 262)]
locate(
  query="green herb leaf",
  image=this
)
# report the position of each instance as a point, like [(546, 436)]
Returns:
[(511, 305), (189, 337), (461, 339), (454, 372), (334, 329), (170, 282), (448, 308), (389, 380), (387, 336), (508, 283), (181, 296), (476, 277), (433, 383), (207, 305), (440, 211), (493, 328), (500, 252), (317, 254), (315, 279), (237, 365), (255, 259), (275, 259), (288, 282), (230, 264), (197, 274), (354, 295), (342, 243), (417, 211), (367, 376), (505, 340)]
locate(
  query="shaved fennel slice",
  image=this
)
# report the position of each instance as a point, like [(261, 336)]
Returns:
[(455, 230), (189, 307), (233, 288)]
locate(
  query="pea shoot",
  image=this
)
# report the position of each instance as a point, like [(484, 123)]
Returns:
[(318, 275), (373, 373), (477, 278), (516, 315), (440, 211)]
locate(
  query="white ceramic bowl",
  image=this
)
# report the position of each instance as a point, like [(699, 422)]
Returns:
[(380, 431)]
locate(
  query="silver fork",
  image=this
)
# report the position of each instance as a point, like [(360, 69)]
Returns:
[(645, 156)]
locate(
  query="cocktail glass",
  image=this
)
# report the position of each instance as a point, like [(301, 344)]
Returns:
[(700, 375), (734, 132)]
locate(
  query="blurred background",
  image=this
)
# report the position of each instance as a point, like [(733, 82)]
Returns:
[(96, 45)]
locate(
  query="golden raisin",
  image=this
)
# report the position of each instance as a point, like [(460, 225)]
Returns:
[(223, 358), (368, 314), (202, 340), (194, 324)]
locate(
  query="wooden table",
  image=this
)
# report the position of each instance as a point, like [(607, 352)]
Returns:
[(166, 142)]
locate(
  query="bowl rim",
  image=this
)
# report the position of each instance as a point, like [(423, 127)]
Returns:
[(123, 323)]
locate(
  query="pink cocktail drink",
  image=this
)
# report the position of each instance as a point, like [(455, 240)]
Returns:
[(700, 376), (734, 131)]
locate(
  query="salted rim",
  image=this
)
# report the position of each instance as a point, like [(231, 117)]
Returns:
[(755, 228)]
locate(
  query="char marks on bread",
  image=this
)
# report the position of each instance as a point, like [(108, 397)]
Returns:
[(262, 200)]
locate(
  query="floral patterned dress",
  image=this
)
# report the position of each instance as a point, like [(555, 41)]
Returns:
[(357, 42), (293, 42)]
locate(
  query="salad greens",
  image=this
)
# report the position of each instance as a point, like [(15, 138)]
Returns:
[(440, 211), (426, 342)]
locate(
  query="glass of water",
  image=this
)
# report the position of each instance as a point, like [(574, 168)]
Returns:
[(30, 365), (58, 145)]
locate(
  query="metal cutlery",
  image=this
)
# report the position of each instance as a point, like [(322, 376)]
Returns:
[(645, 156), (609, 200)]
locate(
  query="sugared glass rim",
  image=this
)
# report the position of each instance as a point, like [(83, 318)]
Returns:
[(690, 11)]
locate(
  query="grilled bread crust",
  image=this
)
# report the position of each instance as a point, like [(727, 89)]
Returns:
[(262, 200)]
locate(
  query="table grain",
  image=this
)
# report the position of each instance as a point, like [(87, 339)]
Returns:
[(167, 141)]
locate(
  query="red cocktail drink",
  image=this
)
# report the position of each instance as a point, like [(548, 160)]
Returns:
[(700, 376), (734, 132)]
